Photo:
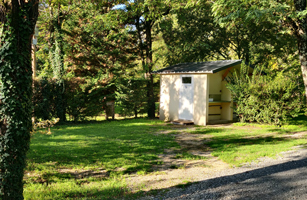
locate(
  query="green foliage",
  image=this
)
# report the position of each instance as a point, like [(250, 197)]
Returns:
[(209, 31), (131, 96), (266, 98), (104, 48), (191, 35), (15, 94), (102, 52), (49, 99), (287, 19), (83, 48), (44, 93), (82, 99), (143, 16), (51, 30), (86, 99)]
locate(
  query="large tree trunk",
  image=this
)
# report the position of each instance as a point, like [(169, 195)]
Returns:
[(149, 64), (17, 18), (300, 30), (302, 44)]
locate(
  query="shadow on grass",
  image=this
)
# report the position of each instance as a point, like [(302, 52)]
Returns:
[(279, 181), (121, 147), (279, 130), (294, 125), (237, 149), (128, 145), (208, 130), (300, 120), (230, 143), (84, 122)]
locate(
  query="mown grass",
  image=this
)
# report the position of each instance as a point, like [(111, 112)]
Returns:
[(119, 148), (247, 142)]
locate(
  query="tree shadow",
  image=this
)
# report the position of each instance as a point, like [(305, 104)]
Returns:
[(229, 143), (301, 120), (286, 180), (279, 131), (128, 145), (208, 130), (281, 181)]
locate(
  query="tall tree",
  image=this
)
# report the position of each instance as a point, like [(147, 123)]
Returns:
[(104, 48), (17, 20), (191, 35), (99, 49), (53, 14), (298, 23), (289, 13), (194, 34), (143, 14)]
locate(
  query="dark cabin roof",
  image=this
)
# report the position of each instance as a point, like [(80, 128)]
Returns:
[(209, 67)]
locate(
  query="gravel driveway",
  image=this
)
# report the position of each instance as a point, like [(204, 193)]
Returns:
[(281, 178)]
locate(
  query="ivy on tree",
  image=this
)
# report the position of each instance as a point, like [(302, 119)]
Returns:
[(17, 21)]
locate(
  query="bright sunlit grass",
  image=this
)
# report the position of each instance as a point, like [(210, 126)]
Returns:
[(249, 142), (72, 189)]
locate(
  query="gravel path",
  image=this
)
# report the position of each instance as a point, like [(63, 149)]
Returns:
[(281, 178)]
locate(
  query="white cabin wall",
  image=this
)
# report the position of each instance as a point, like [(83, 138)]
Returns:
[(201, 96), (169, 97)]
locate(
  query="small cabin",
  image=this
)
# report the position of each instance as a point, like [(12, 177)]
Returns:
[(196, 92)]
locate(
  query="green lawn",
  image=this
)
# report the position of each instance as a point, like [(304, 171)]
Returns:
[(247, 143), (119, 148)]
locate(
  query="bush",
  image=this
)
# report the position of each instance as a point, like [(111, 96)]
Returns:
[(131, 96), (265, 98), (44, 99), (80, 99), (86, 99)]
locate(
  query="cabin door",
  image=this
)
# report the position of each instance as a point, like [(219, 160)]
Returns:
[(186, 94)]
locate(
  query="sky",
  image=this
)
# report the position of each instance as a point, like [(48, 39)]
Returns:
[(119, 6)]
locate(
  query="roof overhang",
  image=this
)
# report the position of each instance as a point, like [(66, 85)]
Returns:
[(209, 67)]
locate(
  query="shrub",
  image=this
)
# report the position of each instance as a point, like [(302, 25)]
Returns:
[(80, 99), (44, 99), (266, 98), (131, 96), (86, 99)]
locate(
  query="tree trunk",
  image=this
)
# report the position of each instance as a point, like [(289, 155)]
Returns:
[(135, 112), (302, 46), (58, 68), (300, 30), (16, 91), (149, 77)]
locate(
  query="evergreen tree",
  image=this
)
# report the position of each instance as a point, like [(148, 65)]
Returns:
[(53, 14), (100, 49), (144, 15)]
